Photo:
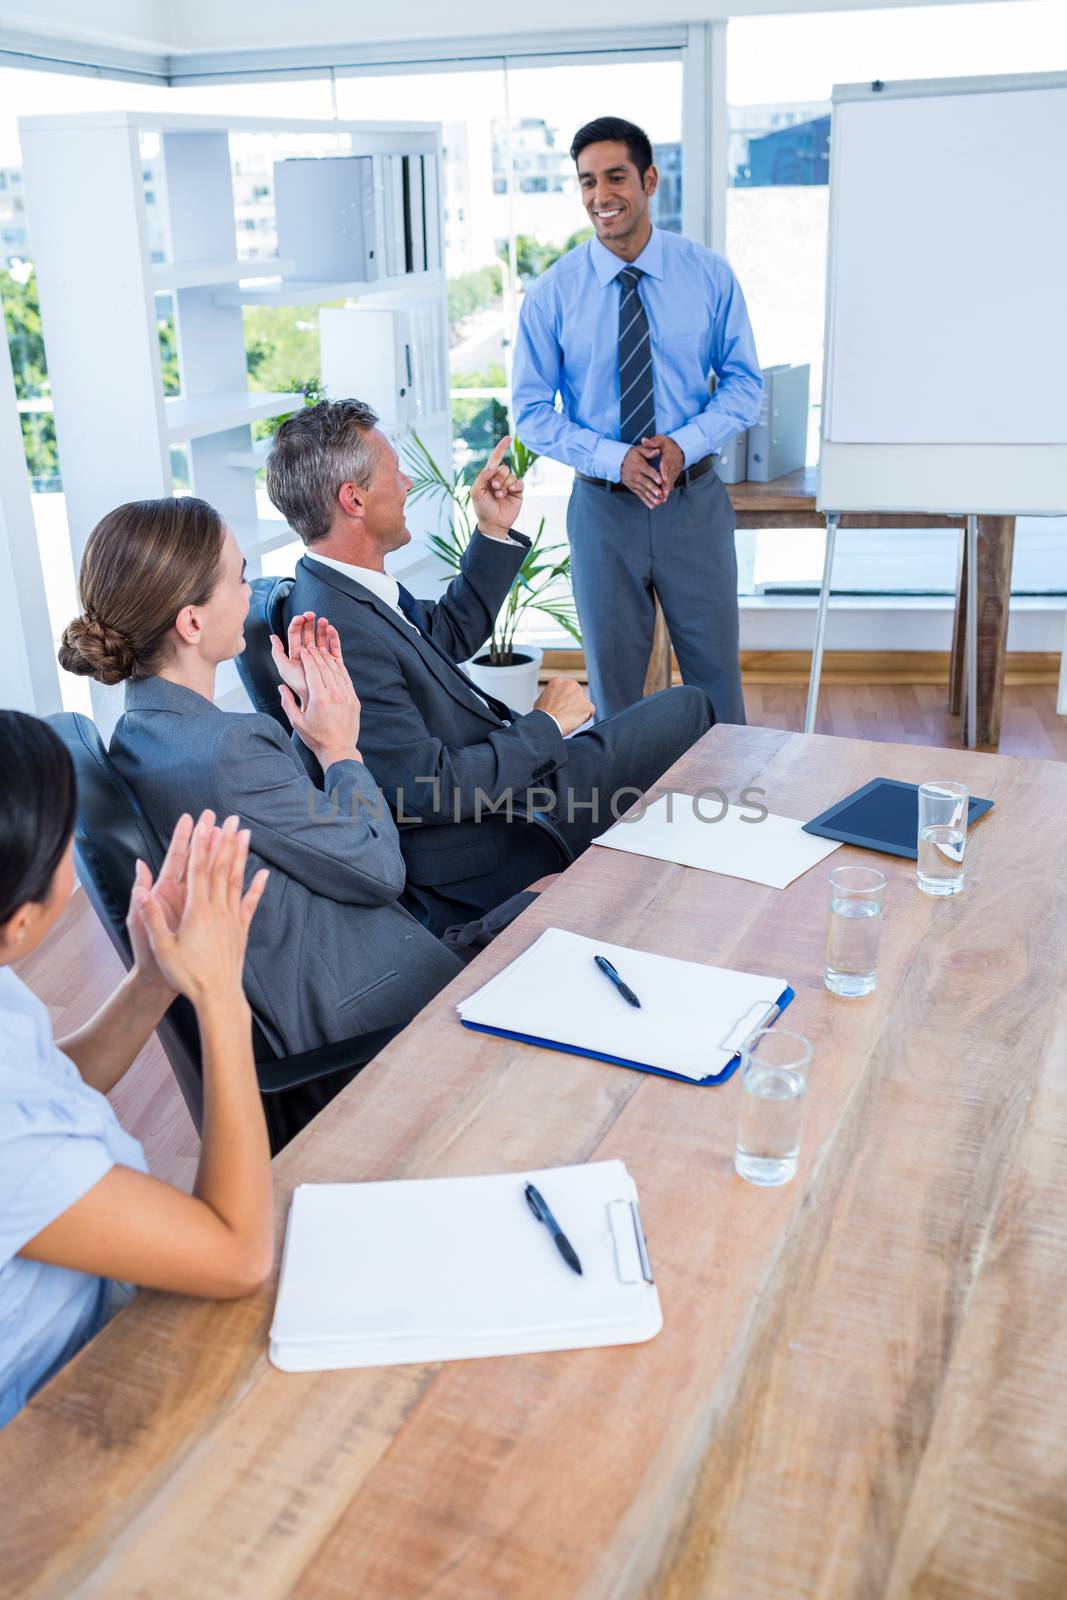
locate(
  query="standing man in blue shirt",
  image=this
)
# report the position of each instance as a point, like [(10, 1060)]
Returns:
[(628, 330)]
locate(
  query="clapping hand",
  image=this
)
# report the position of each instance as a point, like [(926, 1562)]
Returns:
[(496, 494), (167, 892), (199, 949), (324, 710), (304, 630)]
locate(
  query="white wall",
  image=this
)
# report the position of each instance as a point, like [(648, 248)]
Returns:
[(261, 24), (205, 25), (127, 23)]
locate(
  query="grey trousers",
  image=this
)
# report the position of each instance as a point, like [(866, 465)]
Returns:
[(604, 770), (684, 552)]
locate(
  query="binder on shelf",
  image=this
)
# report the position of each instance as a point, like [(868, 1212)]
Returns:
[(396, 256), (432, 191), (429, 341), (732, 461), (325, 212), (442, 1269), (691, 1024), (778, 439), (380, 232), (416, 216), (367, 350), (409, 256), (371, 237), (389, 264)]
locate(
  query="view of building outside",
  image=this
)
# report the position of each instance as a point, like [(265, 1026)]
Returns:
[(512, 206), (511, 198), (780, 76), (23, 94), (546, 108)]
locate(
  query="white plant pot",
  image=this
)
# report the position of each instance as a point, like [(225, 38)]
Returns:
[(515, 685)]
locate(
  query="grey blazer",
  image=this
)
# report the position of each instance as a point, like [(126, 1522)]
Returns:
[(330, 953), (429, 738)]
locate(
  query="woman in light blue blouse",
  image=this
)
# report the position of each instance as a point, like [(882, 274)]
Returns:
[(77, 1207)]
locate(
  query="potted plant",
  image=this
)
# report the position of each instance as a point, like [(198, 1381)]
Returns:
[(502, 670)]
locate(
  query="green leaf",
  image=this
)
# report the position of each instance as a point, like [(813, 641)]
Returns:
[(544, 565)]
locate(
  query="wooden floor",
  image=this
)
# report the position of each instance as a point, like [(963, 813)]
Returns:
[(912, 713), (76, 967)]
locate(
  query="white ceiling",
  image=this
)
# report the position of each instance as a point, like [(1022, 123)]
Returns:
[(170, 27)]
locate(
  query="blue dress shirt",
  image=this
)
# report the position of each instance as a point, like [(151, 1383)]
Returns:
[(568, 344), (58, 1138)]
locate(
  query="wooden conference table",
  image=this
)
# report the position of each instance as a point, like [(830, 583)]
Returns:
[(860, 1388), (789, 502)]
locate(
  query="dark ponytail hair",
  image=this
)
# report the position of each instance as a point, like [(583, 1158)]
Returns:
[(38, 810), (143, 563)]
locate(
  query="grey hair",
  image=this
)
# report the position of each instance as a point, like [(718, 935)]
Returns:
[(314, 452)]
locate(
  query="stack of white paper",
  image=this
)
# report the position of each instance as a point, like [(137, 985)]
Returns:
[(774, 850), (692, 1021), (378, 1274)]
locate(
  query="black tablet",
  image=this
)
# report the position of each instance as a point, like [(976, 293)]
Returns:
[(883, 815)]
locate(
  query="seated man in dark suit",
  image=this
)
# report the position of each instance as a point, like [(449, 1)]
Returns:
[(445, 754)]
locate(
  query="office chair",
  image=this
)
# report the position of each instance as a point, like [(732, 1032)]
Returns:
[(266, 615), (110, 833), (255, 664)]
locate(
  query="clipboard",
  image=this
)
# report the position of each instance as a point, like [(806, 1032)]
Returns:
[(480, 1276), (714, 1078)]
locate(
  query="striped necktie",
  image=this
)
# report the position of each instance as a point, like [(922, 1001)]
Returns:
[(637, 412), (416, 614)]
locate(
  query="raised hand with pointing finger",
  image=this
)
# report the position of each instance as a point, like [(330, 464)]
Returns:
[(496, 494)]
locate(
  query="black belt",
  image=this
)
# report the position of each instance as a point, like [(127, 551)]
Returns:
[(685, 477)]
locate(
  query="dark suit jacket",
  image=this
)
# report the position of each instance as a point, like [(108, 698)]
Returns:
[(331, 953), (429, 738)]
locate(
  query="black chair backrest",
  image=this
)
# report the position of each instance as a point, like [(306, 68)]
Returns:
[(255, 664), (110, 833), (266, 615)]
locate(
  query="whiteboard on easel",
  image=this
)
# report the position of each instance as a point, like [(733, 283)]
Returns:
[(946, 328)]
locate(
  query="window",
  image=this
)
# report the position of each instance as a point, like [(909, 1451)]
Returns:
[(780, 75), (471, 107), (547, 106), (26, 93), (511, 208)]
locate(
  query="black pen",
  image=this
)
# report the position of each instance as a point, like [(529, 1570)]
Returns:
[(624, 988), (536, 1202)]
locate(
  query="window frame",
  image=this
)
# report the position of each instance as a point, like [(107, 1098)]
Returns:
[(701, 47)]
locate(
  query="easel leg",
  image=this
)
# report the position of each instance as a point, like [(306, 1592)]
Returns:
[(959, 629), (820, 622), (972, 630), (996, 540)]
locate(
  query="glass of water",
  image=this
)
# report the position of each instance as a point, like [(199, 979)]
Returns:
[(943, 808), (774, 1080), (856, 896)]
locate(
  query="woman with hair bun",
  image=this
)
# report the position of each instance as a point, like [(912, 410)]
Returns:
[(333, 953), (77, 1208)]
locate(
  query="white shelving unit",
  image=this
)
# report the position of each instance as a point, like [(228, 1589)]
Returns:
[(197, 416), (313, 292), (98, 286), (199, 274)]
